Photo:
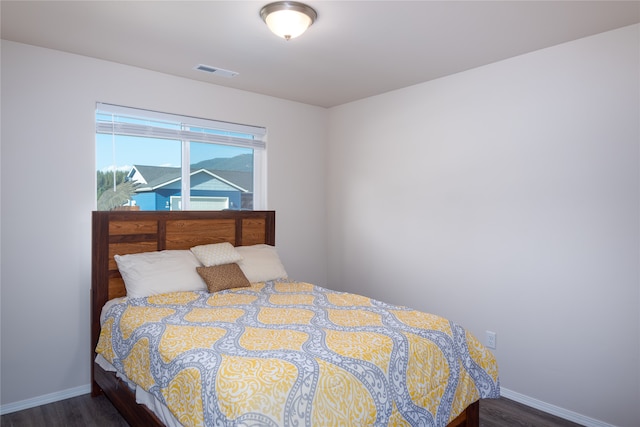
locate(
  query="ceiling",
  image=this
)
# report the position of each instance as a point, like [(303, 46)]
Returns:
[(355, 49)]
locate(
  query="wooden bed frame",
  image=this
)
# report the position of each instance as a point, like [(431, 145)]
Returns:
[(126, 232)]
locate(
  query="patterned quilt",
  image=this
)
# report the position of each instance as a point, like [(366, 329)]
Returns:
[(296, 354)]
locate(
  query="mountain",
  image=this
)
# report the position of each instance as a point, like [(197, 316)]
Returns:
[(242, 163)]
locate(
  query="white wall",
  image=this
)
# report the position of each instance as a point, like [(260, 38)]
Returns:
[(48, 193), (506, 198)]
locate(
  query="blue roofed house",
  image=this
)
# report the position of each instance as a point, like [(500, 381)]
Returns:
[(159, 188)]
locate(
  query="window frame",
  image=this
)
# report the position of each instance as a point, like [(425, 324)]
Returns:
[(229, 134)]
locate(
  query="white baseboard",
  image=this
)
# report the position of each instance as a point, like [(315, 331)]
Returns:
[(552, 409), (44, 399)]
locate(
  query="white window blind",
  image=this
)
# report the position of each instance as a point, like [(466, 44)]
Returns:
[(135, 122)]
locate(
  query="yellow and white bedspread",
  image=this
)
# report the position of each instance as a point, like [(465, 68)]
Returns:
[(295, 354)]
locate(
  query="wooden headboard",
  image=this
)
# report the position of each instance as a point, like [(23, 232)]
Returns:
[(128, 232)]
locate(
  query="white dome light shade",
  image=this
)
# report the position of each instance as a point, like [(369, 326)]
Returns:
[(288, 19), (288, 24)]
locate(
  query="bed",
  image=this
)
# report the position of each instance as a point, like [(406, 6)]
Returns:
[(312, 366)]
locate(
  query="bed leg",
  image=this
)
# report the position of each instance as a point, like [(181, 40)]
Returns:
[(473, 414), (95, 390), (470, 417)]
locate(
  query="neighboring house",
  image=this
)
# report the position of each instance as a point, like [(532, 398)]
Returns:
[(159, 188)]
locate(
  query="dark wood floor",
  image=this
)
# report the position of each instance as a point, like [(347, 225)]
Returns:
[(507, 413), (84, 411)]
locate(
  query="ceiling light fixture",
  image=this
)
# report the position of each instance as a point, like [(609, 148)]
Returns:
[(288, 19)]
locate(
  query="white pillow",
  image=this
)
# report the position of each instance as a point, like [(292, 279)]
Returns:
[(216, 254), (152, 273), (261, 263)]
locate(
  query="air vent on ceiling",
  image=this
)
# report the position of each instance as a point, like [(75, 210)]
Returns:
[(217, 71)]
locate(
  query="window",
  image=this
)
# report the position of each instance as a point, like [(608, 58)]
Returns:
[(146, 160)]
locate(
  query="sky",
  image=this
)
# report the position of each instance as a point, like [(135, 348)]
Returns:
[(121, 152), (125, 151)]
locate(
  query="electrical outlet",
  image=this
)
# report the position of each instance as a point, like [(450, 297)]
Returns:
[(491, 339)]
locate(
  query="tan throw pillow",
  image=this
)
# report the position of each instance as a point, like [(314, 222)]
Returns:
[(216, 254), (221, 277)]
